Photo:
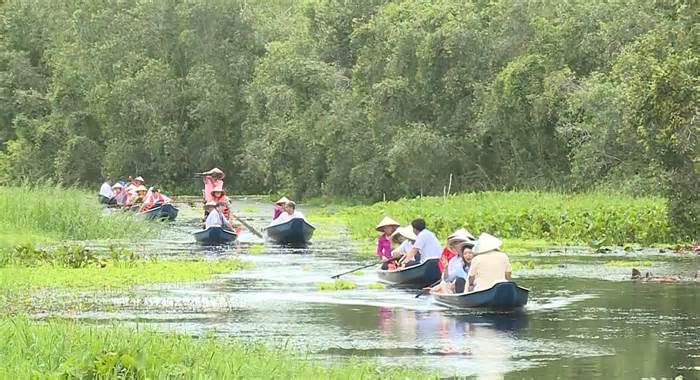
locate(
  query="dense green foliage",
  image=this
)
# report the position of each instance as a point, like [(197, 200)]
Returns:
[(55, 213), (359, 98), (593, 219), (65, 349)]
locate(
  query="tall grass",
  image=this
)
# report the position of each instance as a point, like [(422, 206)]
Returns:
[(65, 349), (595, 218), (53, 212)]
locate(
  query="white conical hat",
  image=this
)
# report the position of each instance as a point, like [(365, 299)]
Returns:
[(486, 243), (461, 234), (282, 200), (387, 221), (406, 232)]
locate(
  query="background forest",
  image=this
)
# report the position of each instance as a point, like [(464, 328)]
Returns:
[(361, 99)]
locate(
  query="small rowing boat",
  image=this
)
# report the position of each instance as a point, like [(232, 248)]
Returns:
[(162, 212), (295, 231), (501, 296), (215, 235), (417, 276)]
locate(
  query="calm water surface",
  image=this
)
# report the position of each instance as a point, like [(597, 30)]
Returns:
[(585, 319)]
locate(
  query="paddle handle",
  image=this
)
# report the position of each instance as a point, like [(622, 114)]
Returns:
[(426, 291), (248, 226), (354, 270)]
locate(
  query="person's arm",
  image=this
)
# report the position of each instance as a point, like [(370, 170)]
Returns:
[(409, 255)]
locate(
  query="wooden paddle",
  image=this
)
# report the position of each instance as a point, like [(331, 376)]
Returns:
[(355, 270), (429, 288), (248, 226)]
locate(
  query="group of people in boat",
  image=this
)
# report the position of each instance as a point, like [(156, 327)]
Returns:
[(131, 194), (465, 262), (284, 211), (217, 206)]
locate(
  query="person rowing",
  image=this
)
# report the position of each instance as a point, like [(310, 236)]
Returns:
[(387, 227), (279, 207), (489, 266), (426, 246), (213, 179)]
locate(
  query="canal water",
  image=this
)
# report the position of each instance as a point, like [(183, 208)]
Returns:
[(585, 318)]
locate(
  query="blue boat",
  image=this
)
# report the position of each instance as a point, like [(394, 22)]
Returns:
[(296, 231), (215, 235), (417, 276), (501, 296), (162, 212)]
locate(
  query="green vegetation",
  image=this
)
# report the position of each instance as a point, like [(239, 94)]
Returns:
[(364, 99), (337, 285), (376, 285), (65, 349), (629, 264), (49, 213), (595, 219), (74, 267)]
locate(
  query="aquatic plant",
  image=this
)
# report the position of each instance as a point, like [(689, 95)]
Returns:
[(256, 249), (68, 349), (44, 213), (337, 285), (629, 264), (614, 219), (376, 285)]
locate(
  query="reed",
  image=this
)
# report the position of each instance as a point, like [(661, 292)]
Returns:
[(45, 213), (68, 349)]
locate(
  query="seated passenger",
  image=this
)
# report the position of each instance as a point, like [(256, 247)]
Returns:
[(291, 209), (105, 194), (121, 196), (489, 266), (387, 227), (426, 246), (279, 207), (154, 199), (455, 275), (140, 195), (452, 248), (218, 195), (134, 184), (216, 217), (405, 237)]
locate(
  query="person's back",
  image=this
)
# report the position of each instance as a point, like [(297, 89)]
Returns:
[(489, 268), (428, 245), (214, 219)]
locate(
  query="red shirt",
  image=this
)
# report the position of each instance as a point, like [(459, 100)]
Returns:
[(445, 258)]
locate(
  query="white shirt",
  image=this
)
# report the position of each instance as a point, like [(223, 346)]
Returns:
[(455, 269), (405, 246), (428, 245), (214, 219), (285, 217), (106, 190)]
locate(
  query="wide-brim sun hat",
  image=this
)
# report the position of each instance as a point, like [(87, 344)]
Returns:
[(117, 186), (141, 188), (387, 221), (486, 243), (139, 178), (406, 232), (283, 200), (461, 235)]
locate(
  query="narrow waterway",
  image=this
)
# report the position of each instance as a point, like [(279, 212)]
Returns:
[(585, 318)]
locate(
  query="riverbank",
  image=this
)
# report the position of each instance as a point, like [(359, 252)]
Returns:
[(525, 220), (35, 214), (64, 348)]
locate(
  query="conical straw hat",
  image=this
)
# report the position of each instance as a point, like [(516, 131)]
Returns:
[(486, 243), (406, 232), (387, 221), (282, 200), (461, 234)]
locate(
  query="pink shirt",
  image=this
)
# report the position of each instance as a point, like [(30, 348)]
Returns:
[(278, 212), (210, 184), (384, 247)]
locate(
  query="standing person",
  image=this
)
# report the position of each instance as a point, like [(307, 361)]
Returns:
[(279, 207), (426, 246), (213, 179), (387, 227), (105, 194), (490, 265)]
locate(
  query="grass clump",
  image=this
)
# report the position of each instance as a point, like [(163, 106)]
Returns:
[(628, 264), (75, 267), (594, 219), (337, 285), (67, 349), (47, 213), (376, 285)]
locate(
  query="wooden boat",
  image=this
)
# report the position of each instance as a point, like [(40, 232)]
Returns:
[(215, 235), (162, 212), (502, 296), (417, 276), (296, 231)]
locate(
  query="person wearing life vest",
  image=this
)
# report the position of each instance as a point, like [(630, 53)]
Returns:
[(134, 184), (140, 195), (218, 195), (155, 199), (120, 195)]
